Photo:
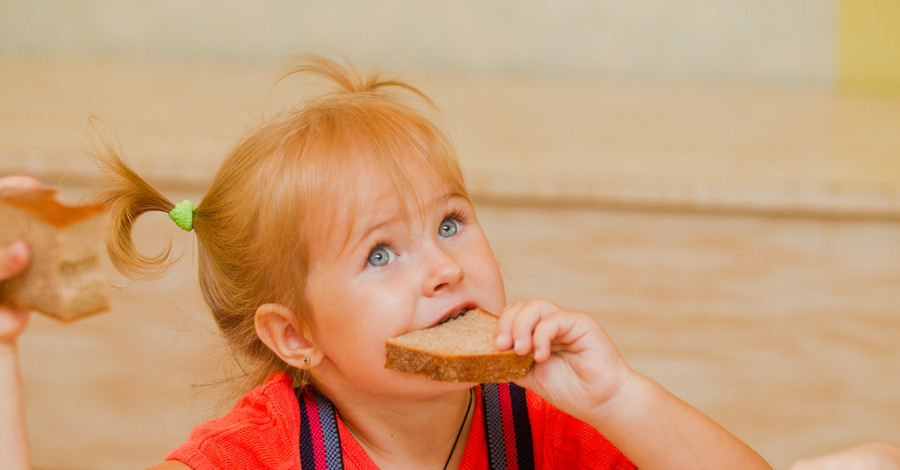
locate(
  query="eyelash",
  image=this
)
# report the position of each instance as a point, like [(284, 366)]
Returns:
[(458, 216)]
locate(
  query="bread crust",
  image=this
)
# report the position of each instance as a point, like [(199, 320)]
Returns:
[(502, 367), (432, 360), (42, 203)]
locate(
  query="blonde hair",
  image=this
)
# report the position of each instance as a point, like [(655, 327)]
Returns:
[(280, 185)]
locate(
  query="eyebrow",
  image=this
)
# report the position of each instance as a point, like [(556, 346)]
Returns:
[(368, 230)]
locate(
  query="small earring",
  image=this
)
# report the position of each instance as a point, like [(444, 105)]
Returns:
[(306, 360)]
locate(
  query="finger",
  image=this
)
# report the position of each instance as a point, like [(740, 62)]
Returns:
[(525, 322), (12, 322), (13, 259), (543, 336), (554, 328), (19, 181), (504, 339)]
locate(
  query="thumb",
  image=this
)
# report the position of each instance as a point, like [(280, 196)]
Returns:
[(14, 259)]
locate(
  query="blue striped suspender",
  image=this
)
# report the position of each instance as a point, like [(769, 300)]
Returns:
[(320, 440), (507, 429)]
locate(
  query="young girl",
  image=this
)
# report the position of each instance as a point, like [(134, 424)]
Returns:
[(344, 222)]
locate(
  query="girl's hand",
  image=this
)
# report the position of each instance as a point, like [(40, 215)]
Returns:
[(579, 370), (14, 258), (871, 456), (577, 367)]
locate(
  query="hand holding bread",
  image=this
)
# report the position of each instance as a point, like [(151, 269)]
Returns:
[(564, 356), (576, 365), (578, 369)]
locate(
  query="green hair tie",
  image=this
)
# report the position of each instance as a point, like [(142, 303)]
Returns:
[(183, 215)]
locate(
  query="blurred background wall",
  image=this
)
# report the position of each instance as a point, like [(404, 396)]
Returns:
[(717, 182), (706, 41)]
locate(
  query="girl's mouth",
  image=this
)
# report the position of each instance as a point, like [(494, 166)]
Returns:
[(452, 316)]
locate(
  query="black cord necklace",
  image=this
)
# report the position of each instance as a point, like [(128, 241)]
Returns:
[(461, 426)]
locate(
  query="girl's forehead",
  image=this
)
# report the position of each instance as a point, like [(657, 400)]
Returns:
[(375, 195)]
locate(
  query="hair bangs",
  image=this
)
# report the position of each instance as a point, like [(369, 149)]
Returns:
[(351, 138)]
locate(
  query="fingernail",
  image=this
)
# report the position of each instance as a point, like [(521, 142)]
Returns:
[(500, 341)]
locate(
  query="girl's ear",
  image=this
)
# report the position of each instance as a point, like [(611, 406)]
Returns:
[(280, 330)]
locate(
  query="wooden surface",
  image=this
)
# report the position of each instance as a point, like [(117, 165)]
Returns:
[(741, 247)]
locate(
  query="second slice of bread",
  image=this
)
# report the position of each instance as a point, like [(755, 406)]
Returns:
[(459, 350), (65, 279)]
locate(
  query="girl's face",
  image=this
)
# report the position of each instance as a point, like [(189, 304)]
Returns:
[(396, 273)]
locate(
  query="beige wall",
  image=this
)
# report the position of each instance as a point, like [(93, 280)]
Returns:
[(769, 41)]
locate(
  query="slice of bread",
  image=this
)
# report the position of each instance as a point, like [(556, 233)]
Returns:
[(458, 350), (64, 280)]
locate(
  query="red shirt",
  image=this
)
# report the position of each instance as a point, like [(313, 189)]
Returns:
[(263, 431)]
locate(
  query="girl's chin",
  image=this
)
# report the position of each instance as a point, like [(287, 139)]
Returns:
[(418, 383)]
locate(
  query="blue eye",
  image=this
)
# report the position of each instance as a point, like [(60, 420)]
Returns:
[(449, 228), (380, 256)]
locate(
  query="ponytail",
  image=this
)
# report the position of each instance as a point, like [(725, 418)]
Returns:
[(128, 196)]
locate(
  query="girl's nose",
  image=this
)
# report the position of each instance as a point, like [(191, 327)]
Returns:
[(443, 271)]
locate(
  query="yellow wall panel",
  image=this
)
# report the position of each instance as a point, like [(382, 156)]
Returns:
[(869, 44)]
